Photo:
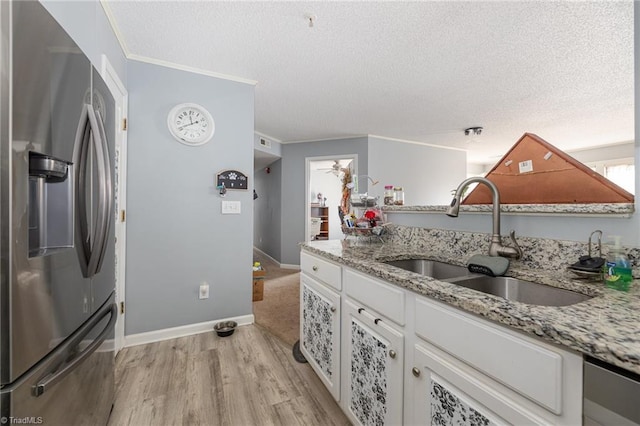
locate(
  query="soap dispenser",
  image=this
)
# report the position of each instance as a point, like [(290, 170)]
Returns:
[(617, 268)]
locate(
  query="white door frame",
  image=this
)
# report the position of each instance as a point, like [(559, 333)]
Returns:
[(121, 96), (307, 183)]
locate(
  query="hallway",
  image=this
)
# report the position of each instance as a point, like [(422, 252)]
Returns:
[(279, 311)]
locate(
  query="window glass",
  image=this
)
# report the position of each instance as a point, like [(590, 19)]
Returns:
[(622, 175)]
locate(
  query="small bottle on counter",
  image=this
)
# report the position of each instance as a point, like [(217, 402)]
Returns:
[(388, 195), (617, 268), (398, 196)]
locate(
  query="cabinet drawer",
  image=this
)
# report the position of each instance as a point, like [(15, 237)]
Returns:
[(384, 298), (527, 367), (322, 270)]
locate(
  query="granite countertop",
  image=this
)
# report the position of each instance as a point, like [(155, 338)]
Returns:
[(615, 209), (606, 326)]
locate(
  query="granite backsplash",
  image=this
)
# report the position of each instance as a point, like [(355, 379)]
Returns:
[(538, 253)]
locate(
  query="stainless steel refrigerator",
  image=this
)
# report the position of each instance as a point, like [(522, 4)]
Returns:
[(57, 255)]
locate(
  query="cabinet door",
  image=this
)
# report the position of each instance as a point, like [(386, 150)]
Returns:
[(373, 356), (320, 331), (446, 392)]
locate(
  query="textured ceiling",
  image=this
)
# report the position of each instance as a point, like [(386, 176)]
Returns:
[(416, 71)]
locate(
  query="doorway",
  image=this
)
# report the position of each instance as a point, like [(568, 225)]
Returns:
[(120, 95), (324, 194)]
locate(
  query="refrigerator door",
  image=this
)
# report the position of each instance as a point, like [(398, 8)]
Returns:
[(103, 280), (48, 298), (73, 385)]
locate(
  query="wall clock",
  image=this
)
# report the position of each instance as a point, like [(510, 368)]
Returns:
[(191, 124)]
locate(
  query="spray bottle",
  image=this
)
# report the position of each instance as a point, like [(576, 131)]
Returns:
[(617, 268)]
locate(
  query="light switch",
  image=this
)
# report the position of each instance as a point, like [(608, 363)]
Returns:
[(231, 207)]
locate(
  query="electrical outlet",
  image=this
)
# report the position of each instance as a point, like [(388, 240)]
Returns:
[(204, 291)]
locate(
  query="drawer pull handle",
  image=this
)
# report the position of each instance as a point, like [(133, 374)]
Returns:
[(375, 321), (416, 371), (392, 354), (333, 309), (315, 268), (360, 310)]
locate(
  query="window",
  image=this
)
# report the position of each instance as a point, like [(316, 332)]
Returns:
[(621, 172)]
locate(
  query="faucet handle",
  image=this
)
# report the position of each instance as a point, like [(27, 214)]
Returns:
[(514, 244)]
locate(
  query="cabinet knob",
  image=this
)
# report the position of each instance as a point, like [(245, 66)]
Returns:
[(392, 354), (333, 309), (315, 268), (416, 371)]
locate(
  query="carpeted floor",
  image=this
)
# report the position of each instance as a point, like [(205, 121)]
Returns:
[(279, 311)]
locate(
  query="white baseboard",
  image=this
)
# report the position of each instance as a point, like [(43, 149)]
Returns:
[(288, 266), (280, 265), (182, 331)]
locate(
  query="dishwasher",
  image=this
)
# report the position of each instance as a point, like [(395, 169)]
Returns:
[(611, 395)]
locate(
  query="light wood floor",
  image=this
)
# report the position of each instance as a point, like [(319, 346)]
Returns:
[(249, 378)]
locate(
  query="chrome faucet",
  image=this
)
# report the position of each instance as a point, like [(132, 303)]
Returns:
[(495, 247)]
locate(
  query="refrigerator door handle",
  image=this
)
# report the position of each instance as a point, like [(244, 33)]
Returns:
[(54, 377), (80, 155), (106, 191)]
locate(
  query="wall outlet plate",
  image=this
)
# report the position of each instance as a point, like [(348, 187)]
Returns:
[(204, 291), (231, 207)]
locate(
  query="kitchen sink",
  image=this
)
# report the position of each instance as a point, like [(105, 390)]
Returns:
[(430, 268), (521, 291)]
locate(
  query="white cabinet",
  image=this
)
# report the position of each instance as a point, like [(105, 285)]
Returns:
[(386, 299), (320, 319), (446, 391), (489, 371), (320, 331), (391, 356), (373, 359), (324, 271)]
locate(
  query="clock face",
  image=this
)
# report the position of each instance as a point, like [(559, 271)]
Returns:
[(191, 124)]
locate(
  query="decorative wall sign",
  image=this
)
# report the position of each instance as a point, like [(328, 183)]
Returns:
[(232, 179)]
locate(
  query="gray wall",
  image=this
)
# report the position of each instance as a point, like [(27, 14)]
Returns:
[(293, 186), (267, 210), (426, 173), (87, 23), (177, 237)]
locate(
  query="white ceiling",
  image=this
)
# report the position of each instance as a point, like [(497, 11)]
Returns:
[(417, 71)]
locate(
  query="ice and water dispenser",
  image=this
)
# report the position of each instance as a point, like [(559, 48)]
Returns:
[(50, 204)]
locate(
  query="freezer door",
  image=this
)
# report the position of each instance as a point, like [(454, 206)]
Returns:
[(72, 386)]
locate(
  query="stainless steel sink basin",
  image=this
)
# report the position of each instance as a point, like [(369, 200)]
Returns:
[(431, 268), (522, 291)]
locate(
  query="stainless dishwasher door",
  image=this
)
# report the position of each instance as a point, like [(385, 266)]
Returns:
[(611, 395)]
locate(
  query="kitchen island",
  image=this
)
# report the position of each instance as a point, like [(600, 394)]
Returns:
[(397, 338), (607, 326)]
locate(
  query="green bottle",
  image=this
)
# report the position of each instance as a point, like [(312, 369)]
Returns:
[(617, 268)]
